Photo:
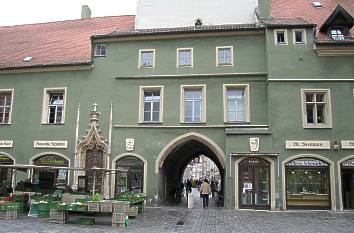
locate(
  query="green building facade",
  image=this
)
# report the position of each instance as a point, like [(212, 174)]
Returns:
[(269, 103)]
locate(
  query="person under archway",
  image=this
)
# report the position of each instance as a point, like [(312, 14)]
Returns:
[(205, 190)]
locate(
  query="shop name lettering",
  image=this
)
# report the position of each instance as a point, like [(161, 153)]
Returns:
[(5, 143), (52, 161), (308, 144), (55, 144)]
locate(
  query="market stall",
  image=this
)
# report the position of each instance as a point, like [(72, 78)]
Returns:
[(58, 206)]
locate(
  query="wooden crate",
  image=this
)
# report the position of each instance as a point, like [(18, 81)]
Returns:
[(106, 206), (8, 214), (119, 219), (93, 206), (120, 206), (58, 216), (132, 211)]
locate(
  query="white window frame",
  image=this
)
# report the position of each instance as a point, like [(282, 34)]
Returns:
[(12, 102), (153, 58), (45, 105), (142, 89), (177, 55), (247, 101), (182, 108), (303, 36), (328, 111), (217, 57), (285, 37), (95, 54)]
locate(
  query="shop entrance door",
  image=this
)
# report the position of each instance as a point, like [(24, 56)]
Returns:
[(47, 179), (348, 188), (254, 184)]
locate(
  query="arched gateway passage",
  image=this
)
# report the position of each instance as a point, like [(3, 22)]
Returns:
[(175, 157)]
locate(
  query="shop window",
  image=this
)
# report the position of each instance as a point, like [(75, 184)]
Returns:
[(49, 179), (316, 109), (184, 57), (307, 184), (224, 56), (151, 104), (130, 176), (5, 175), (54, 105), (100, 50), (193, 104), (5, 106), (280, 37), (236, 103), (147, 58)]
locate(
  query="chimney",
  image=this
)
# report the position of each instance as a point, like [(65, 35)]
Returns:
[(85, 12)]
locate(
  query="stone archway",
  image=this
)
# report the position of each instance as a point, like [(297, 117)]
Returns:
[(172, 161)]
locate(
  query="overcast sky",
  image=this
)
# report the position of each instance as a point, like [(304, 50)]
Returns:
[(14, 12)]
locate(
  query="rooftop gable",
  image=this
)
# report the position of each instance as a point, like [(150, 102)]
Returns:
[(55, 43), (339, 17)]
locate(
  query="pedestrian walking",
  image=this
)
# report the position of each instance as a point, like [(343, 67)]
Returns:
[(205, 190)]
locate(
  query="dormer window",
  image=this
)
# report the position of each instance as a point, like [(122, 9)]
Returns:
[(338, 33)]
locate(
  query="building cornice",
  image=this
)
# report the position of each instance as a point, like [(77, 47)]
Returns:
[(205, 75), (310, 80)]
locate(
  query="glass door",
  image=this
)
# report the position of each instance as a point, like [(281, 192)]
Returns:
[(254, 189)]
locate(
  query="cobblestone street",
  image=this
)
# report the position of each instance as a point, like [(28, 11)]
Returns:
[(167, 219)]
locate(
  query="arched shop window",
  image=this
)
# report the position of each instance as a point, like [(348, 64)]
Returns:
[(307, 184), (6, 173), (47, 178), (347, 176), (130, 176)]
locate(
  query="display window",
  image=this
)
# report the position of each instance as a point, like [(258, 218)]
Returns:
[(48, 179), (307, 184), (5, 175), (130, 177), (347, 176)]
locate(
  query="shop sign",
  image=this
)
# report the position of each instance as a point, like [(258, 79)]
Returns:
[(50, 144), (5, 160), (51, 160), (309, 145), (348, 163), (347, 144), (254, 144), (306, 163), (129, 144), (6, 144)]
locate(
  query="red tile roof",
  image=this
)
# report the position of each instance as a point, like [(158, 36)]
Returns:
[(305, 10), (56, 43)]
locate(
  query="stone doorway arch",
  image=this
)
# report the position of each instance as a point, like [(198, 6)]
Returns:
[(175, 156)]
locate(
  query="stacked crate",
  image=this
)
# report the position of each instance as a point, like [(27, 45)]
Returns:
[(58, 216), (106, 206), (93, 206), (120, 213)]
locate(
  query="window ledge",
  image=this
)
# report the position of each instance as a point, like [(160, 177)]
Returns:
[(191, 123), (52, 123), (318, 127), (1, 124), (151, 122)]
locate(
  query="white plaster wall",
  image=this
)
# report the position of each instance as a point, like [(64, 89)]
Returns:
[(180, 13)]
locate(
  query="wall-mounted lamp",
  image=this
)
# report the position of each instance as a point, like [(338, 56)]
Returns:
[(335, 145)]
